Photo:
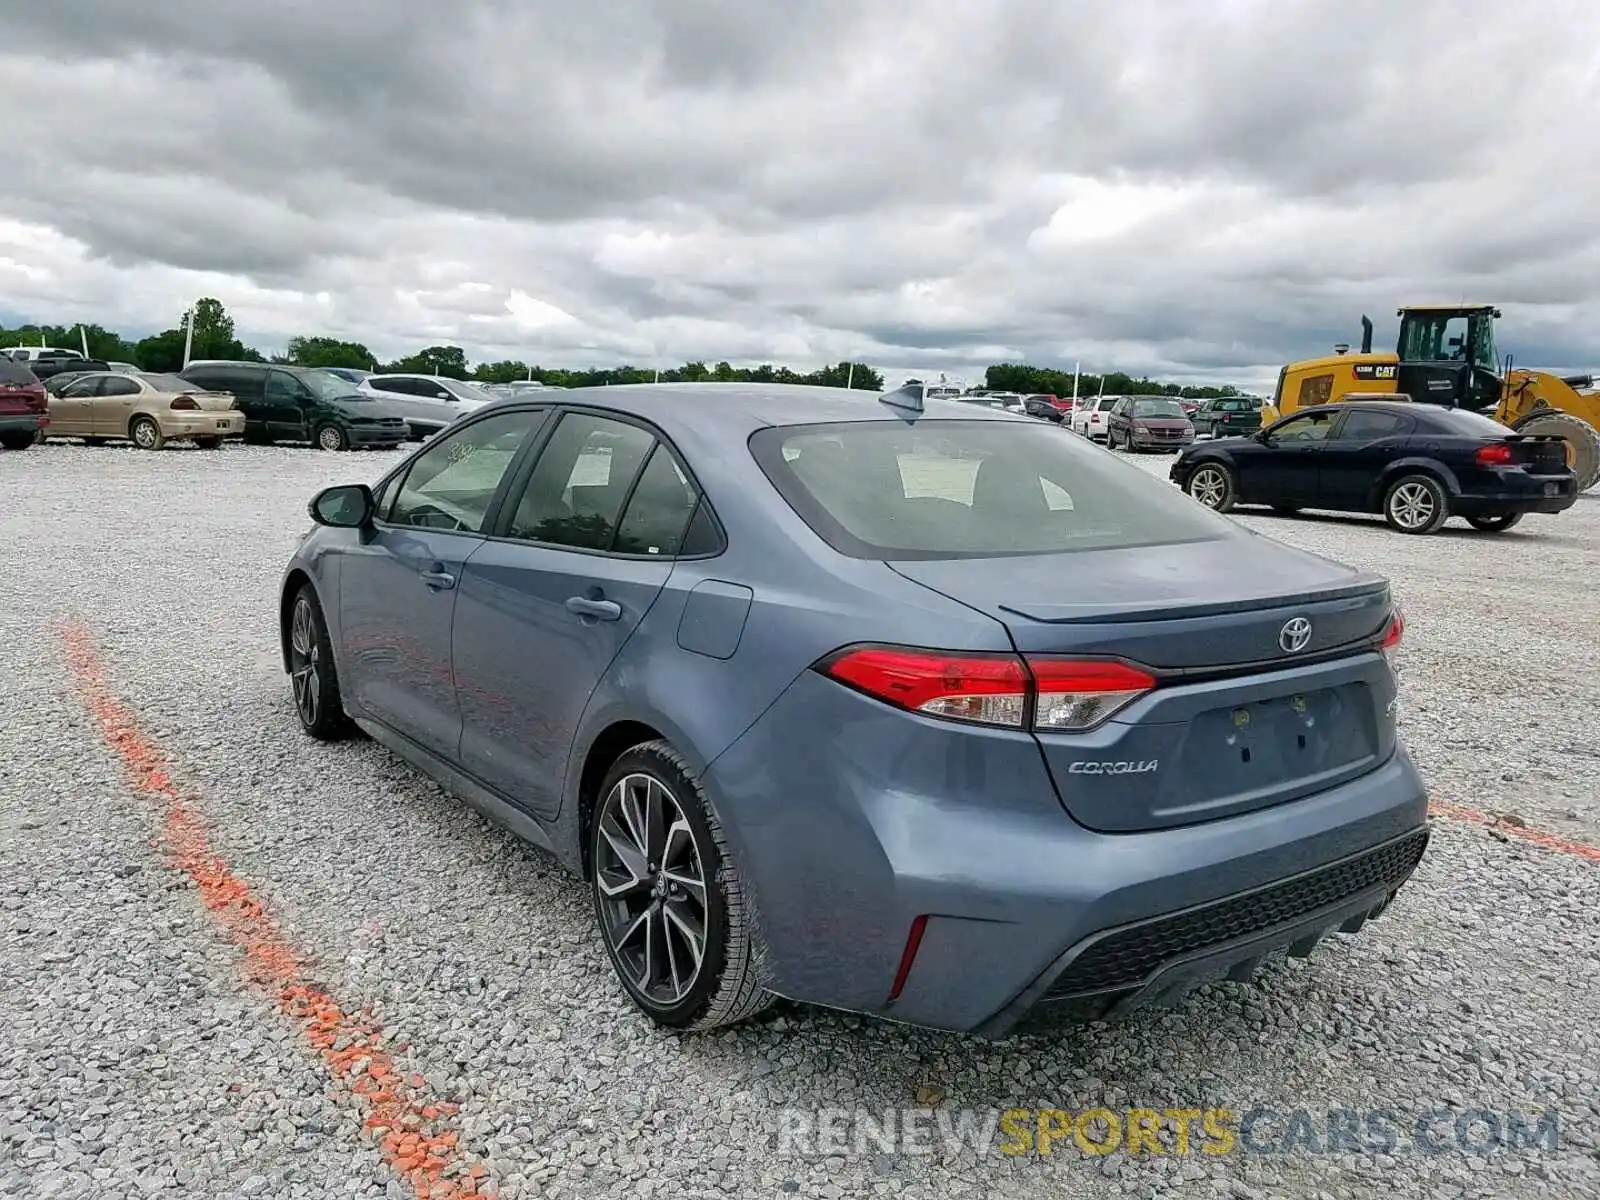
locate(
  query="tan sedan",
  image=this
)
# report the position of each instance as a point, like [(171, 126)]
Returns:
[(146, 409)]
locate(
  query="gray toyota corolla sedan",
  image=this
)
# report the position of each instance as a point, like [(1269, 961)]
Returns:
[(898, 706)]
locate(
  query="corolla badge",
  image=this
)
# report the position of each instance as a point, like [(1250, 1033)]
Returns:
[(1133, 767), (1295, 635)]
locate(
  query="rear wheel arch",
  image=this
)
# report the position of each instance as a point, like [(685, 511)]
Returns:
[(609, 745), (1411, 466)]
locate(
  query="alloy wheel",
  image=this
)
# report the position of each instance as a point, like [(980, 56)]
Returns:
[(652, 885), (305, 661), (1412, 506), (1208, 486), (330, 438), (144, 435)]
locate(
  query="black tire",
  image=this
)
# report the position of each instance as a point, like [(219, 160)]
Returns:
[(1498, 523), (144, 433), (1286, 510), (313, 676), (331, 437), (1415, 504), (1212, 484), (18, 441), (209, 443), (727, 985), (94, 441)]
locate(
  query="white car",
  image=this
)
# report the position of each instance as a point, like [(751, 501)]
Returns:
[(427, 403), (1089, 418)]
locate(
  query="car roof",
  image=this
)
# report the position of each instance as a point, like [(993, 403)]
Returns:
[(739, 409), (1389, 406)]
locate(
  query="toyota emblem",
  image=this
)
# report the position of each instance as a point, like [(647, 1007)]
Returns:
[(1295, 635)]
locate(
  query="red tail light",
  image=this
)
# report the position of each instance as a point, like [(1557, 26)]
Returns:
[(185, 404), (1393, 636), (1496, 454), (993, 689)]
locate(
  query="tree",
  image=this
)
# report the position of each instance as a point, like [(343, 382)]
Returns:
[(449, 361), (213, 337), (329, 352)]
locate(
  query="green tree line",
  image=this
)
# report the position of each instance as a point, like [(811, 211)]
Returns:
[(214, 337)]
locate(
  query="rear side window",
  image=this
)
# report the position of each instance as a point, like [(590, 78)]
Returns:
[(657, 516), (1364, 425), (583, 478), (970, 489), (117, 385)]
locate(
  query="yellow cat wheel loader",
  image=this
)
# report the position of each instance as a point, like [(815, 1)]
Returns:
[(1446, 355)]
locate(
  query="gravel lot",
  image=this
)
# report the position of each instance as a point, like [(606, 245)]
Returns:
[(136, 1058)]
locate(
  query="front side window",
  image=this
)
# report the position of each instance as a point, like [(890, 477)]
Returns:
[(1312, 427), (970, 489), (584, 476), (452, 483)]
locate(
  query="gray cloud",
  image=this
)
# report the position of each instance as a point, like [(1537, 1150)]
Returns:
[(1197, 192)]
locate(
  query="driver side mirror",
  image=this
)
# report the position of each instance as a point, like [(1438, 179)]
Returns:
[(1264, 436), (344, 506)]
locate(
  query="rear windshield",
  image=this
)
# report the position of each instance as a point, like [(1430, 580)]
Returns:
[(1466, 424), (166, 383), (15, 374), (971, 489)]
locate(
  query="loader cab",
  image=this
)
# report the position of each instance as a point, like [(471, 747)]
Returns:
[(1448, 356)]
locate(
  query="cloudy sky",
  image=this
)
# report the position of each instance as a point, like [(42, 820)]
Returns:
[(1195, 191)]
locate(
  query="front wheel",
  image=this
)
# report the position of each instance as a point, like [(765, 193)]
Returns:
[(146, 434), (1415, 504), (331, 437), (1212, 485), (671, 905), (1498, 523), (311, 670)]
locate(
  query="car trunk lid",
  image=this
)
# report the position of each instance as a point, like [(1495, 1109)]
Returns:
[(1539, 454), (1243, 716)]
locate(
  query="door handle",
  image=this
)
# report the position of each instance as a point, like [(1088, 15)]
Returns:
[(600, 610), (438, 578)]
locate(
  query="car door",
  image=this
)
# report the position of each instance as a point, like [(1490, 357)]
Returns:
[(1283, 468), (112, 405), (1355, 454), (397, 394), (399, 585), (71, 412), (585, 548), (285, 400)]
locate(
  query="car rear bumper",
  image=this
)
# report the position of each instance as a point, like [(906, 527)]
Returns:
[(902, 819), (23, 422), (1518, 492), (202, 424)]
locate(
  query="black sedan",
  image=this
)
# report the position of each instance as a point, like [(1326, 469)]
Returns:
[(1417, 464)]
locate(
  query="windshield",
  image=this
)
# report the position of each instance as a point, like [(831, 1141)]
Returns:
[(1157, 408), (970, 489), (330, 387), (167, 383)]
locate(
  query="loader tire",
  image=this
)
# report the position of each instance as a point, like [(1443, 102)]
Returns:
[(1583, 443)]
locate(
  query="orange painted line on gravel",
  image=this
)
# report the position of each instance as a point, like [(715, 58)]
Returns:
[(1548, 841), (410, 1128)]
